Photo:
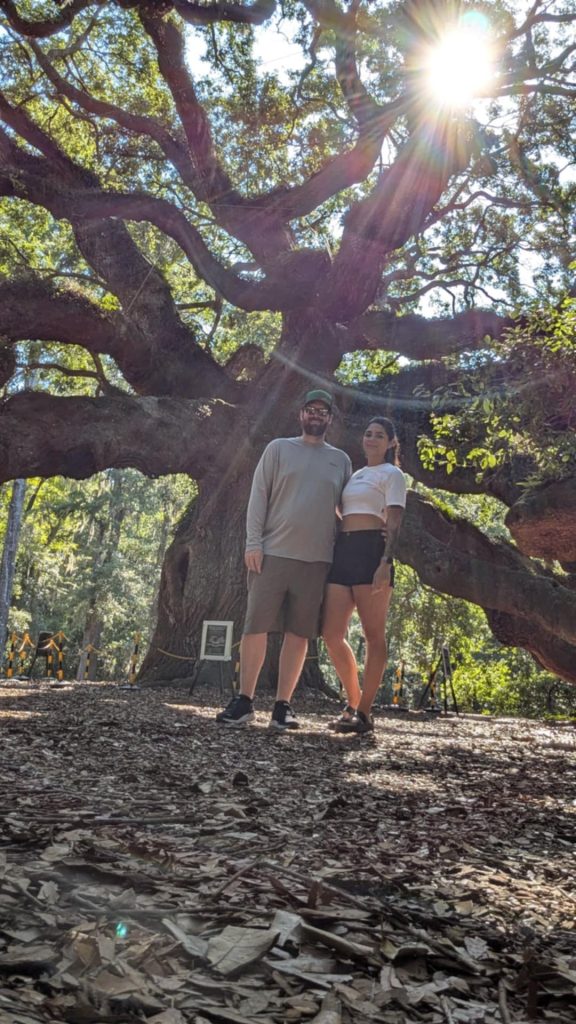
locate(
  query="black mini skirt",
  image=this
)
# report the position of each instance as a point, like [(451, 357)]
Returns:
[(357, 555)]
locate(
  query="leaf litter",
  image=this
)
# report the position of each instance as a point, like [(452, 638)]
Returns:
[(155, 868)]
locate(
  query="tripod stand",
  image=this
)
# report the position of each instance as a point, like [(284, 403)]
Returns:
[(447, 679), (430, 692)]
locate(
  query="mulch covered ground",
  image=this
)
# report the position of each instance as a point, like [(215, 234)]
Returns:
[(155, 867)]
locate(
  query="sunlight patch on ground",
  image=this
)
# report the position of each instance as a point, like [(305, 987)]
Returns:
[(11, 713), (191, 709)]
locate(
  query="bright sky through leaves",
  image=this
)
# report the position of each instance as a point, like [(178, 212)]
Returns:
[(461, 65)]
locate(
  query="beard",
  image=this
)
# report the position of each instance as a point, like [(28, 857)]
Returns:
[(315, 429)]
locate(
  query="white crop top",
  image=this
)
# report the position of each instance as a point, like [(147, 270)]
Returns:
[(370, 490)]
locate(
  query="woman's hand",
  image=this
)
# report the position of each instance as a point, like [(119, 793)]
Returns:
[(381, 578)]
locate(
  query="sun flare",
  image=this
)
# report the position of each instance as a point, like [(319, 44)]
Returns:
[(461, 65)]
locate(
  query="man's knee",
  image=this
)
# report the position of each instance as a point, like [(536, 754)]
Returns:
[(294, 639)]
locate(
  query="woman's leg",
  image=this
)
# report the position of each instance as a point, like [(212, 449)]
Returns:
[(338, 607), (373, 612)]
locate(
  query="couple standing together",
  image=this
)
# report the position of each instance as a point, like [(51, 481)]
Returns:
[(295, 571)]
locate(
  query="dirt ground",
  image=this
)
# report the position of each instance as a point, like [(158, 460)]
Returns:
[(156, 867)]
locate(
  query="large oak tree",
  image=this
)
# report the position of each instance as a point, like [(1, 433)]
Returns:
[(187, 244)]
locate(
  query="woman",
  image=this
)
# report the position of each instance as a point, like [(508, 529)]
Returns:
[(362, 573)]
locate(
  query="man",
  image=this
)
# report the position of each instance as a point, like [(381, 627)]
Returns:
[(291, 525)]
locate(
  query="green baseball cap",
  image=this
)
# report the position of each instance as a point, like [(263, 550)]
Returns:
[(318, 395)]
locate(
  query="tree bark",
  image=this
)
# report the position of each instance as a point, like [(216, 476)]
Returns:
[(90, 638), (543, 522), (7, 566), (203, 575)]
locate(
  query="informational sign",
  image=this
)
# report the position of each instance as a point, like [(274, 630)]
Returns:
[(216, 640)]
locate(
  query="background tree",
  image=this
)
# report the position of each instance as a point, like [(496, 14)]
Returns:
[(193, 248), (89, 562), (9, 549)]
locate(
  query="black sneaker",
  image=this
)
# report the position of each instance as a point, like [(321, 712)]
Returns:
[(283, 717), (237, 713), (360, 724), (348, 715)]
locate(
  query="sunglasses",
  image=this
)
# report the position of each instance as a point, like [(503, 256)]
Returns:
[(316, 410)]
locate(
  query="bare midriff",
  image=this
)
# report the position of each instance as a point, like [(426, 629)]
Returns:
[(360, 521)]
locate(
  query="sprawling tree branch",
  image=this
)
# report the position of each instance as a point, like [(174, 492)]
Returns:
[(41, 28), (174, 150), (259, 221), (335, 175), (395, 211), (32, 309), (41, 435), (214, 185), (255, 13), (265, 235), (28, 177), (550, 651), (536, 16), (110, 250), (329, 16), (374, 121), (417, 337), (453, 556)]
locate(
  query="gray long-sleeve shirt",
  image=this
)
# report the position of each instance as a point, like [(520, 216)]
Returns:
[(295, 492)]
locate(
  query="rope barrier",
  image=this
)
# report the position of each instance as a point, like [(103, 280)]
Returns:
[(186, 657), (52, 649), (178, 657)]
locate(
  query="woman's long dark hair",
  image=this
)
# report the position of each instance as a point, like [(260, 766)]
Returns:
[(393, 452)]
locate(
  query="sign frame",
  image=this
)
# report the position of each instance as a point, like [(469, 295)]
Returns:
[(216, 643)]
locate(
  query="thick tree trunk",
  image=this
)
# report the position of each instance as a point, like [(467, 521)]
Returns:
[(7, 566), (204, 577), (159, 560), (90, 639)]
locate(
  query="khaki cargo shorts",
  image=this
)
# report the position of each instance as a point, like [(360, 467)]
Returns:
[(286, 597)]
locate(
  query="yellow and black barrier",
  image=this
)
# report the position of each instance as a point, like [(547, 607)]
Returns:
[(49, 646), (60, 655), (11, 655), (89, 650), (54, 647), (25, 646), (50, 659), (398, 689)]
